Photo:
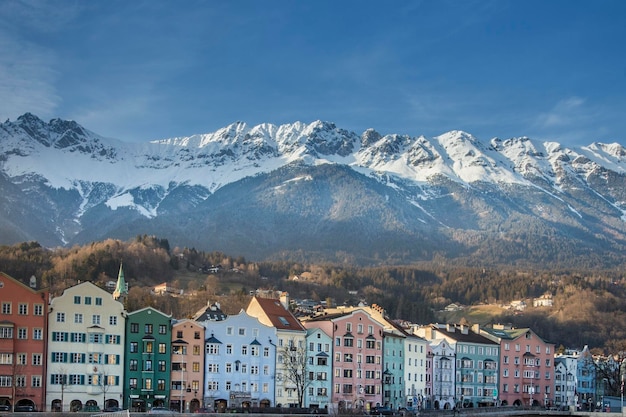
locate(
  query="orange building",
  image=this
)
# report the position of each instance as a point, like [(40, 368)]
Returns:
[(23, 330)]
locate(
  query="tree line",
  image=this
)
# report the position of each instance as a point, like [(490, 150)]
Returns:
[(589, 305)]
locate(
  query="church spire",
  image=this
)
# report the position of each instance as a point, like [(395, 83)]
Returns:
[(120, 288)]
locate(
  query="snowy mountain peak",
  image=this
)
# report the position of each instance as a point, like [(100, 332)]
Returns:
[(91, 177)]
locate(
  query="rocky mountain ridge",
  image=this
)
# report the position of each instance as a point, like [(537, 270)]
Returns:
[(316, 190)]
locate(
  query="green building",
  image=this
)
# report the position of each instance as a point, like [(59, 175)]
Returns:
[(148, 364)]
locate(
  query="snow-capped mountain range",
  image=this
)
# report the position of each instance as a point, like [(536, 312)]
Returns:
[(272, 191)]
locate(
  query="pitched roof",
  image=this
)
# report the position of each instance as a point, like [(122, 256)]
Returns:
[(277, 314)]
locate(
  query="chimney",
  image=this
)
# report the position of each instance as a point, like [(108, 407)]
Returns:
[(284, 299)]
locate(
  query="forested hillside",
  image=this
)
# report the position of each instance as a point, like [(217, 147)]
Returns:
[(589, 306)]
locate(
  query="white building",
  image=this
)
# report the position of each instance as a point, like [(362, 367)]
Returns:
[(415, 376), (565, 381), (86, 329), (240, 360), (290, 334)]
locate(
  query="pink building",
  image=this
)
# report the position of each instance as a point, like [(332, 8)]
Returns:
[(357, 358), (526, 366), (187, 366)]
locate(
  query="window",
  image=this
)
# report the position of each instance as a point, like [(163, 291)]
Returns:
[(37, 359), (244, 350), (95, 338), (112, 320), (132, 383), (59, 336), (162, 366), (88, 300), (35, 381), (132, 365), (162, 348), (38, 309), (22, 333), (162, 329), (147, 329), (22, 309), (134, 327), (20, 381), (6, 308), (78, 318), (196, 350), (98, 301), (6, 359), (134, 347), (60, 317), (242, 331), (95, 319), (76, 299), (266, 352)]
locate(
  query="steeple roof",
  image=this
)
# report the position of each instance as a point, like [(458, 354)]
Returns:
[(120, 287)]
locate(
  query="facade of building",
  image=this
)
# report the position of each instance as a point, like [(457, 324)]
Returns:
[(320, 369), (187, 361), (565, 381), (415, 375), (585, 380), (443, 367), (86, 332), (476, 366), (291, 346), (357, 361), (23, 330), (527, 364), (393, 373), (240, 363), (147, 360)]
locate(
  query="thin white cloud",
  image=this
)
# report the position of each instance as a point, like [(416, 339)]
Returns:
[(27, 78), (565, 113), (27, 69)]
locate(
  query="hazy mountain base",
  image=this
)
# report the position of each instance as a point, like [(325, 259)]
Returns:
[(589, 307), (331, 213)]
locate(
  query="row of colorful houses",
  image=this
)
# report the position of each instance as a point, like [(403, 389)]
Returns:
[(83, 351)]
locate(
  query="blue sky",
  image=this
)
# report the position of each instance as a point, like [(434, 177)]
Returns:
[(142, 70)]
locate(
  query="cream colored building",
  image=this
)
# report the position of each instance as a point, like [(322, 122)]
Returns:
[(86, 329)]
